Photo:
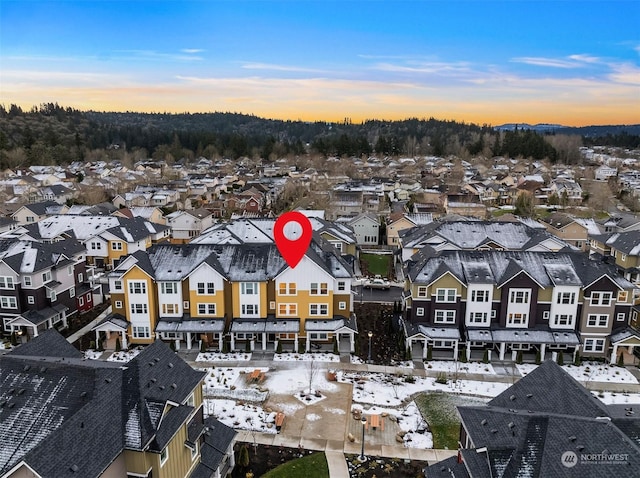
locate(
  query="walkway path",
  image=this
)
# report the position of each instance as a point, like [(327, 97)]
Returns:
[(87, 328)]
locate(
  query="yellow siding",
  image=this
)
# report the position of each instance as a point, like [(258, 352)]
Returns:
[(447, 281), (115, 255), (545, 295), (235, 294), (135, 273), (195, 299)]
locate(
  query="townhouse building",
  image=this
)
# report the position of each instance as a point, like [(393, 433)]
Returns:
[(185, 225), (42, 285), (573, 230), (510, 301), (621, 249), (65, 416), (235, 292)]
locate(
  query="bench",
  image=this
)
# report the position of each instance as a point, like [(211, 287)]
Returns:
[(279, 420), (255, 374)]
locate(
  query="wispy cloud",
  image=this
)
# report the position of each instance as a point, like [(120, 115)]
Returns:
[(152, 55), (425, 67), (192, 50), (275, 67), (550, 62)]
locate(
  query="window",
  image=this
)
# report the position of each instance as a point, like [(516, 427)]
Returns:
[(563, 319), (493, 314), (116, 246), (31, 219), (194, 451), (318, 288), (318, 309), (53, 296), (422, 291), (566, 298), (206, 288), (185, 305), (191, 400), (620, 317), (164, 456), (318, 336), (169, 287), (80, 301), (88, 298), (80, 277), (249, 309), (26, 280), (7, 283), (288, 309), (169, 308), (8, 303), (141, 332), (118, 304), (138, 308), (206, 309), (478, 317), (342, 305), (72, 292), (622, 295), (519, 296), (517, 319), (117, 285), (287, 288), (137, 287), (445, 317), (46, 276), (594, 345), (545, 315), (96, 246), (342, 286), (31, 299), (601, 298), (597, 320), (480, 296), (445, 295), (70, 270), (249, 288)]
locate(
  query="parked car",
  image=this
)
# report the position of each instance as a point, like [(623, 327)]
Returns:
[(377, 283)]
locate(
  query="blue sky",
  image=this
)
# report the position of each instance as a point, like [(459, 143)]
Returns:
[(570, 62)]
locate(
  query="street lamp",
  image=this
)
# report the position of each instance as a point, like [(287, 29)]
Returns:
[(364, 422), (369, 357)]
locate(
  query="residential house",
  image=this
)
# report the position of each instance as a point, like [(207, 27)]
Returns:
[(185, 225), (568, 190), (621, 249), (469, 206), (605, 172), (30, 213), (366, 228), (516, 301), (527, 431), (402, 221), (151, 214), (620, 222), (572, 230), (64, 416)]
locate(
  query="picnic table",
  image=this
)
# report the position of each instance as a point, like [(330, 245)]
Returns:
[(279, 420), (255, 374), (376, 422)]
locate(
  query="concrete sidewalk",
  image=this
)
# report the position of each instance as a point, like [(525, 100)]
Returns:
[(87, 328)]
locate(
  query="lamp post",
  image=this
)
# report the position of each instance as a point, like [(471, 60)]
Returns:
[(364, 422), (370, 334)]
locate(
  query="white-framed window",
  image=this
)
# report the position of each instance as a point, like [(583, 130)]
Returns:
[(287, 288), (422, 291), (80, 278), (70, 270), (6, 282), (445, 317), (117, 285), (206, 288), (249, 309), (31, 219), (420, 311), (445, 295), (566, 298), (206, 309), (620, 316), (139, 308), (95, 246), (290, 310), (623, 257), (342, 286), (170, 308), (519, 296), (478, 318), (493, 314), (8, 302), (80, 301), (53, 296), (623, 295), (88, 298), (342, 305), (318, 336), (479, 296), (141, 332), (545, 315), (26, 280), (46, 276), (598, 320), (31, 299), (594, 345), (194, 451), (164, 456), (442, 344), (191, 400), (169, 287), (601, 298), (137, 287), (318, 309), (116, 246), (249, 288), (72, 292), (517, 319), (319, 288), (562, 319), (118, 304), (185, 304)]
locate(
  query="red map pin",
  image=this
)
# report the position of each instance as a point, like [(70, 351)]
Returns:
[(294, 244)]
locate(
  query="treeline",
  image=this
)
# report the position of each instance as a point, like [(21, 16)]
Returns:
[(51, 134), (621, 140)]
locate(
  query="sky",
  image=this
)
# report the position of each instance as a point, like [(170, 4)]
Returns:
[(569, 62)]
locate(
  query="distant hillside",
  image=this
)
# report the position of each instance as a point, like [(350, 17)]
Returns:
[(586, 131)]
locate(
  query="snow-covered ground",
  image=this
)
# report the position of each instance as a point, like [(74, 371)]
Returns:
[(308, 357), (219, 357), (462, 367), (590, 372), (92, 354), (617, 398), (124, 355)]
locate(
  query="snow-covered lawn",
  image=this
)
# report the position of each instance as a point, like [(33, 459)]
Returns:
[(125, 355), (590, 372), (462, 367), (245, 416), (611, 398), (220, 357), (92, 354), (308, 357)]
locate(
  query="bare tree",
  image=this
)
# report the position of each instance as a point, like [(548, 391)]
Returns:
[(312, 372)]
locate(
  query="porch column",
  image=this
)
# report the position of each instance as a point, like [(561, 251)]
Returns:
[(455, 350), (177, 342), (124, 339), (352, 345), (542, 351), (575, 352), (264, 341), (469, 350), (220, 342), (308, 343), (503, 347), (97, 339), (425, 348), (295, 343), (233, 342), (614, 354), (252, 344), (630, 349), (188, 340)]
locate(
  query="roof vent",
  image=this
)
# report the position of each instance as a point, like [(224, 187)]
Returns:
[(529, 395), (83, 394), (512, 397), (174, 386), (21, 391), (26, 368), (494, 430), (511, 424), (572, 438), (108, 380), (161, 387), (483, 422), (170, 365)]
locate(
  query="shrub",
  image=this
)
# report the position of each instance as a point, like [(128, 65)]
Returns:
[(442, 378), (92, 345), (538, 357), (578, 359), (203, 346), (621, 360), (14, 339), (463, 356), (485, 356), (519, 357), (429, 352), (409, 379), (335, 346), (118, 345), (560, 358), (279, 347)]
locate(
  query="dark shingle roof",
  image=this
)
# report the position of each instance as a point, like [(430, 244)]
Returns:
[(50, 343)]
